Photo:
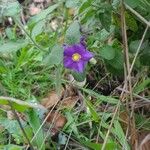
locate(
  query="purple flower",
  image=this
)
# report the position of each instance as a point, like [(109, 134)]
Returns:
[(76, 56)]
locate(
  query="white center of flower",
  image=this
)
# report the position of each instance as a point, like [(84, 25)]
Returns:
[(76, 57)]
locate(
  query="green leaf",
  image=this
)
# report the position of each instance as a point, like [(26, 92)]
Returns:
[(85, 5), (11, 147), (35, 123), (118, 131), (132, 3), (107, 52), (9, 47), (97, 146), (103, 98), (72, 3), (16, 106), (135, 44), (105, 15), (38, 28), (43, 14), (142, 86), (10, 33), (13, 128), (73, 33), (94, 114), (131, 22), (11, 8), (145, 59), (79, 77), (117, 61), (55, 57), (92, 145)]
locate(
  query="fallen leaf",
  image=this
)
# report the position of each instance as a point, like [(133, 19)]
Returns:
[(51, 100), (58, 121), (68, 102), (69, 91)]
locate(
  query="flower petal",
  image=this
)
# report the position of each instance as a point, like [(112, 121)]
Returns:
[(80, 66), (86, 56), (68, 62), (79, 48), (69, 50)]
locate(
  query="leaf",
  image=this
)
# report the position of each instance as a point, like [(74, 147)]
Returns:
[(142, 86), (55, 57), (105, 15), (19, 104), (73, 33), (94, 114), (92, 145), (10, 33), (35, 123), (135, 44), (79, 77), (16, 106), (97, 146), (51, 100), (107, 52), (133, 3), (85, 5), (11, 8), (117, 61), (43, 14), (11, 147), (107, 99), (68, 102), (12, 46), (118, 131), (38, 28), (131, 22), (58, 121), (145, 59), (11, 125), (71, 3), (13, 128)]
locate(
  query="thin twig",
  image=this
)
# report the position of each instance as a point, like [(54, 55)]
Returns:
[(131, 119)]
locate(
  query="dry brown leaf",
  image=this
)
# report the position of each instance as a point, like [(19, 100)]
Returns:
[(51, 100), (124, 120), (58, 121), (69, 91), (69, 102)]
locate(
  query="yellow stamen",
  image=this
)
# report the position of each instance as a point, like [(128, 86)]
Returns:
[(76, 57)]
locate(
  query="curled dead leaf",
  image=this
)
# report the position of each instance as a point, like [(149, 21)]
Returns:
[(68, 102), (51, 100), (57, 120), (69, 91)]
